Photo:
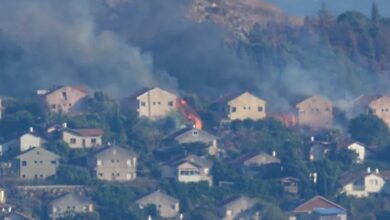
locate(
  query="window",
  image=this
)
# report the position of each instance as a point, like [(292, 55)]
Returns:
[(143, 104), (117, 161), (374, 182), (53, 162), (170, 103), (117, 174), (234, 109), (24, 163), (41, 176), (35, 161), (173, 206), (159, 103), (154, 103), (100, 174), (113, 174), (37, 152), (65, 95), (41, 161), (73, 140), (260, 108), (23, 176), (53, 106), (93, 140), (195, 133), (244, 107), (128, 162)]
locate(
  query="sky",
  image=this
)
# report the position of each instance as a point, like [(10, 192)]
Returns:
[(310, 7)]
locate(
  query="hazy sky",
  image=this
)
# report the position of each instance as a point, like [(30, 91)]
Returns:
[(307, 7)]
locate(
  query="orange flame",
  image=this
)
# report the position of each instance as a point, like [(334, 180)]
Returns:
[(189, 114), (288, 120)]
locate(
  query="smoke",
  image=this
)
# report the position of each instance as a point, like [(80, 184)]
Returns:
[(121, 46), (57, 42)]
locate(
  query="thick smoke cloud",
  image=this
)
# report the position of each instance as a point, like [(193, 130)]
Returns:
[(47, 42)]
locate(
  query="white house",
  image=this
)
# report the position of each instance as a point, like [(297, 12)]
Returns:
[(362, 184), (359, 149), (24, 142)]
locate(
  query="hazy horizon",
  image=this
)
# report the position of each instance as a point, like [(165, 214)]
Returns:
[(294, 7)]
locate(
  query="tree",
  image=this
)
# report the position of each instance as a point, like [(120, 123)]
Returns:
[(375, 16), (369, 129)]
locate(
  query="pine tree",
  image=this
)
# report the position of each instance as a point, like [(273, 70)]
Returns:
[(375, 16)]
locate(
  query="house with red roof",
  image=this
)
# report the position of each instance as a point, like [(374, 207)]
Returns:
[(319, 208), (82, 137)]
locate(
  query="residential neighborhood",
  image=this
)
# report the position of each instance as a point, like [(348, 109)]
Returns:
[(70, 160)]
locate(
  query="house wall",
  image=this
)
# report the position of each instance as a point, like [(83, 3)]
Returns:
[(28, 141), (64, 99), (381, 108), (166, 209), (156, 103), (81, 142), (246, 106), (2, 196), (372, 184), (359, 150), (38, 166), (116, 168), (69, 205), (315, 113)]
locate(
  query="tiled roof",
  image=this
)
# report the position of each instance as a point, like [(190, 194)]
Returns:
[(193, 159), (349, 177), (315, 203), (86, 132)]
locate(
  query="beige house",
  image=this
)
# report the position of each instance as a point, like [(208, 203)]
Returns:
[(83, 137), (167, 206), (246, 106), (315, 112), (68, 205), (155, 103), (63, 99), (362, 184), (114, 163), (188, 169), (236, 208), (192, 136), (381, 108), (38, 163), (359, 149)]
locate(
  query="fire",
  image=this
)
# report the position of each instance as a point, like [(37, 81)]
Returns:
[(189, 114), (288, 120)]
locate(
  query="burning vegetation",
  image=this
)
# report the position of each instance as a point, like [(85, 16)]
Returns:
[(189, 114)]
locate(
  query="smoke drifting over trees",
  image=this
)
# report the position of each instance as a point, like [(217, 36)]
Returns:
[(141, 43)]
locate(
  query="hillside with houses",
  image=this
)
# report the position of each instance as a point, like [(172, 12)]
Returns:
[(157, 154)]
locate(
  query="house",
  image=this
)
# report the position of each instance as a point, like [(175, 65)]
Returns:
[(113, 163), (245, 106), (154, 103), (359, 149), (167, 206), (233, 208), (2, 196), (362, 184), (315, 112), (257, 160), (25, 141), (69, 204), (38, 163), (193, 136), (380, 107), (6, 209), (318, 151), (63, 99), (290, 184), (82, 137), (319, 208), (188, 169), (17, 216)]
